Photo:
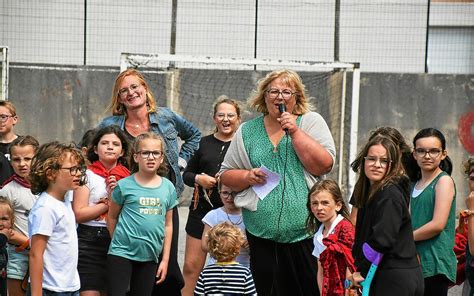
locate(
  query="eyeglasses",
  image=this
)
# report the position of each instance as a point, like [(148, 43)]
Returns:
[(433, 153), (286, 94), (230, 116), (74, 170), (227, 194), (371, 160), (4, 117), (124, 91), (147, 154)]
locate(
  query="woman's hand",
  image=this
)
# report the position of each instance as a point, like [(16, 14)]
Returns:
[(288, 122), (206, 181), (256, 176)]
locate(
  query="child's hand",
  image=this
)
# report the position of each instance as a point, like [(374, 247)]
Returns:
[(245, 245), (111, 183), (161, 272), (206, 181), (7, 232)]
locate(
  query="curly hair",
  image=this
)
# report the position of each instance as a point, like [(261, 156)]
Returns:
[(224, 242), (289, 77), (469, 166), (4, 201), (47, 162), (163, 169), (330, 186)]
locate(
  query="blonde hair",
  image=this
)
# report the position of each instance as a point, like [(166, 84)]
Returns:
[(4, 201), (163, 169), (116, 107), (224, 242), (49, 158), (289, 77), (9, 105)]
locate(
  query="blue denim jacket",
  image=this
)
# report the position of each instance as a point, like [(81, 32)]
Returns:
[(169, 126)]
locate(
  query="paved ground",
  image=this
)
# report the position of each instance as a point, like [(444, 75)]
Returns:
[(183, 216)]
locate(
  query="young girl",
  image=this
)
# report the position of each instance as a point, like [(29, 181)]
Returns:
[(383, 222), (140, 221), (6, 223), (55, 169), (225, 276), (227, 213), (17, 190), (433, 211), (328, 215), (107, 154)]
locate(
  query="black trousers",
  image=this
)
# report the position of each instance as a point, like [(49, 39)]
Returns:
[(437, 285), (397, 282), (122, 273), (174, 281), (283, 268)]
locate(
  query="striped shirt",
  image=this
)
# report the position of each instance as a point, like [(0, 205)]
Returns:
[(225, 279)]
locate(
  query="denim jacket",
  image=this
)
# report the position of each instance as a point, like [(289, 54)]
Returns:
[(169, 126)]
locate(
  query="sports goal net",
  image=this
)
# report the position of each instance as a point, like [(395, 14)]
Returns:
[(189, 85), (3, 73)]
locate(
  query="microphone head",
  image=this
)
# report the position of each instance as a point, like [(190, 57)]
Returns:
[(282, 108)]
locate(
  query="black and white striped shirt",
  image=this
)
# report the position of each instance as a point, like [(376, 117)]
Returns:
[(229, 278)]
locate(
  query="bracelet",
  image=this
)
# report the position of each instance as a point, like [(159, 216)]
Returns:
[(23, 246)]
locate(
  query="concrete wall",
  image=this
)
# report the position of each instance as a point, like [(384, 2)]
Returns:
[(61, 104)]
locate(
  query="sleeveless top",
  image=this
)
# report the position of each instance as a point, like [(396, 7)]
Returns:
[(436, 254)]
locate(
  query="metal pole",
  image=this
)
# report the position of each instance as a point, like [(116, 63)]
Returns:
[(337, 15), (427, 35), (85, 33), (255, 34)]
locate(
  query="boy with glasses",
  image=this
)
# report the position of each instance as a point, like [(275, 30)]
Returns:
[(8, 119)]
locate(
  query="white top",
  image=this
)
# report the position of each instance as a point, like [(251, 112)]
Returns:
[(22, 200), (217, 216), (55, 219), (319, 247), (97, 190)]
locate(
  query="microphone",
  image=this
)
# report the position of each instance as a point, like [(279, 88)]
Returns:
[(282, 108)]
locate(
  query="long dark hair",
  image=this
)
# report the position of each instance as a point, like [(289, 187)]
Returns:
[(363, 190), (445, 164), (330, 186), (111, 129)]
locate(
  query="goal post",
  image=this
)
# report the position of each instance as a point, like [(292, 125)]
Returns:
[(4, 73), (190, 84)]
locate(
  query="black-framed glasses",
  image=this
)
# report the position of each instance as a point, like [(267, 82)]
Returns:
[(146, 154), (4, 117), (372, 160), (74, 170), (227, 194), (433, 153), (124, 91), (286, 94)]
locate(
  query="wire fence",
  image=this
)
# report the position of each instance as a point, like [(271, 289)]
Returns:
[(406, 36)]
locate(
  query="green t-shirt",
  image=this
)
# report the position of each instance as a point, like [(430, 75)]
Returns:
[(279, 217), (140, 228), (436, 254)]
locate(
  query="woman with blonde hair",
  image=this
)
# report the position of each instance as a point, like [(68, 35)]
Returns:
[(134, 110), (296, 144)]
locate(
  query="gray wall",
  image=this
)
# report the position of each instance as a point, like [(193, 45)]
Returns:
[(63, 103)]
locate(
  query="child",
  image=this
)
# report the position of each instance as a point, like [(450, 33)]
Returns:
[(107, 154), (433, 211), (8, 119), (226, 276), (6, 222), (17, 190), (86, 142), (140, 221), (469, 214), (329, 215), (227, 213), (55, 169), (384, 223)]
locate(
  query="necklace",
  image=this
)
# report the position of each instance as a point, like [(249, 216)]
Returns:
[(230, 220)]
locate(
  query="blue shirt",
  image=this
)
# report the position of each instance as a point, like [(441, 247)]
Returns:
[(140, 229), (169, 126)]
